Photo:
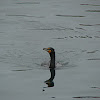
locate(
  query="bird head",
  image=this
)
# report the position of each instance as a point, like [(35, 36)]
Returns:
[(49, 50)]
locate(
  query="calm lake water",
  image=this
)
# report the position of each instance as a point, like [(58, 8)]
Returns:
[(72, 27)]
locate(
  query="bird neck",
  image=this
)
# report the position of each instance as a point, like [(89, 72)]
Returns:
[(52, 61)]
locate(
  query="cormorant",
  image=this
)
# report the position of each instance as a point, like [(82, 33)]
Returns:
[(51, 52)]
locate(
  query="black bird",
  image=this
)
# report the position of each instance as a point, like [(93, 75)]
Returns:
[(51, 52)]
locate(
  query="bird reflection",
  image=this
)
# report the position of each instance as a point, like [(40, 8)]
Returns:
[(51, 52)]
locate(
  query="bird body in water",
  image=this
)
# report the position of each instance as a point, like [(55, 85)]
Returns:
[(51, 52)]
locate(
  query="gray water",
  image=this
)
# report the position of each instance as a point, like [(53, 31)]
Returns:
[(72, 27)]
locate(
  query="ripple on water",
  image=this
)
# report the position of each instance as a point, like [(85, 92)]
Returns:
[(59, 65), (94, 59), (87, 97), (20, 70), (70, 15), (89, 24), (90, 4), (92, 10), (28, 3)]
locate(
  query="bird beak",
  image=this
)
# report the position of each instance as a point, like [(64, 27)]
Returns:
[(46, 49)]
